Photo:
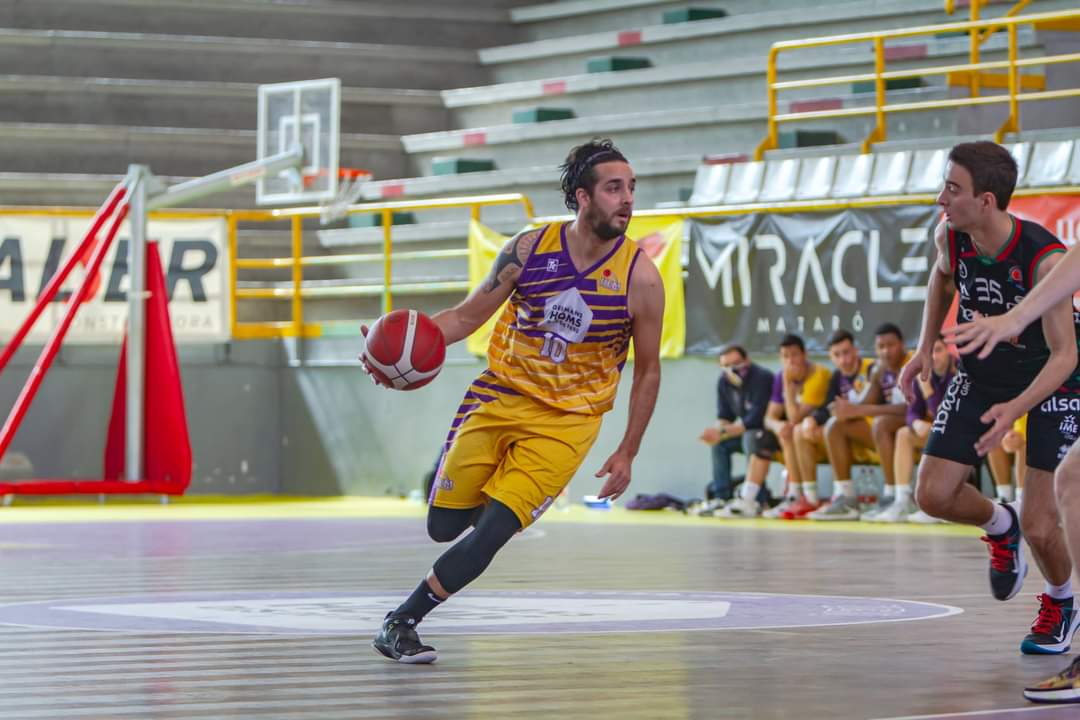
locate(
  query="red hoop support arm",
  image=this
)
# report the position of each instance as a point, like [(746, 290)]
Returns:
[(100, 217), (48, 353)]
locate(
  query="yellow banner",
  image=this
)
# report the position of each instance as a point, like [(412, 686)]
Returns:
[(659, 237)]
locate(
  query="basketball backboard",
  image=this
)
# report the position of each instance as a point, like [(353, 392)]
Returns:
[(305, 113)]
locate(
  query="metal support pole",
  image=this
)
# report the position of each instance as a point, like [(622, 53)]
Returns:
[(388, 272), (226, 179), (136, 331)]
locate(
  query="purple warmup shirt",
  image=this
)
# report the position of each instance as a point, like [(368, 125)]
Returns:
[(922, 408)]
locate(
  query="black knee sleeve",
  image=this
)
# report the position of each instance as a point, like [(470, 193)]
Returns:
[(464, 562), (446, 524)]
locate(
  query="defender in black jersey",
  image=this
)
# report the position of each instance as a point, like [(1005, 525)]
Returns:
[(982, 336), (993, 260)]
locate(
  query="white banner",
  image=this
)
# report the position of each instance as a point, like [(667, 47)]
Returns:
[(194, 258)]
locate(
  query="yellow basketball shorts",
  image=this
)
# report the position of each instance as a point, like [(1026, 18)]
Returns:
[(509, 447)]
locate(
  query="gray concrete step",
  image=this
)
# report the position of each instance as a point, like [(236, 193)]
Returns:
[(686, 85), (220, 105), (659, 179), (713, 129), (225, 59), (64, 148), (440, 24), (577, 17), (719, 40)]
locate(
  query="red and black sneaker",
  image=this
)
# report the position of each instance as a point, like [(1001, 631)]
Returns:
[(1053, 630), (1007, 565)]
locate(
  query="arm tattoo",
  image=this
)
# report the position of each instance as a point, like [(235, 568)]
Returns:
[(510, 260)]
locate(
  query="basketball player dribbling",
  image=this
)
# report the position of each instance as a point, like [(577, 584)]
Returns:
[(579, 293), (993, 259)]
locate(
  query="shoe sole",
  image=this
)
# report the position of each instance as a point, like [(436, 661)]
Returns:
[(1028, 647), (1066, 695), (424, 658)]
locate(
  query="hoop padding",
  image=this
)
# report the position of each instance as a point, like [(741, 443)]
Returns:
[(166, 445)]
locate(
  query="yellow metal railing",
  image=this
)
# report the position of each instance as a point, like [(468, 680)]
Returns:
[(881, 75), (296, 291)]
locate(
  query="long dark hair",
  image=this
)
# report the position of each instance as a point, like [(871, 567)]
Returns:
[(579, 169)]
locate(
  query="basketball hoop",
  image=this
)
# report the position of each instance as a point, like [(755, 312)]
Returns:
[(349, 187)]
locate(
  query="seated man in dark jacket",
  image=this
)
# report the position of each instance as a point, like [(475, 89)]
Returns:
[(742, 394)]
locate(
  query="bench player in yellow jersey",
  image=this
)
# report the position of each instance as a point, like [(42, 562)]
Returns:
[(579, 294)]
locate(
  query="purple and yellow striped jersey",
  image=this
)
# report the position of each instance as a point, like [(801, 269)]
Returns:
[(563, 336)]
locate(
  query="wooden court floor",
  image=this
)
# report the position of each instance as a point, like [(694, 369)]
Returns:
[(266, 610)]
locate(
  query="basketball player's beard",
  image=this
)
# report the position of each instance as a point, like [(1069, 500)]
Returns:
[(604, 229)]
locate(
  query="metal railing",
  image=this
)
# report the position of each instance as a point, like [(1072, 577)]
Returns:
[(977, 38), (880, 76), (297, 291)]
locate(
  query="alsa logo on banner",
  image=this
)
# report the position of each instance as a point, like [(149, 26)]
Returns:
[(32, 250)]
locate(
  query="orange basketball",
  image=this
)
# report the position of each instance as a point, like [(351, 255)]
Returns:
[(405, 349)]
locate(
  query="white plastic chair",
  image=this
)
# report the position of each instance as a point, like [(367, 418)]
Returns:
[(1073, 178), (927, 170), (853, 175), (1049, 163), (710, 183), (815, 178), (1020, 151), (780, 177), (890, 173), (745, 183)]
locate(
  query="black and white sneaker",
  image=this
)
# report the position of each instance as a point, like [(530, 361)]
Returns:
[(1007, 565), (1053, 630), (397, 640)]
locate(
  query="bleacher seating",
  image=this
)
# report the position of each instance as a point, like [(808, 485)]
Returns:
[(94, 86), (891, 170), (1049, 163), (174, 87), (816, 177)]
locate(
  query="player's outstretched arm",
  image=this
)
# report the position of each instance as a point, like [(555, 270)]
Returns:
[(983, 333), (646, 305), (466, 317), (1061, 338), (939, 293)]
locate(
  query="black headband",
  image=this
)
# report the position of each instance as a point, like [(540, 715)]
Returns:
[(600, 156)]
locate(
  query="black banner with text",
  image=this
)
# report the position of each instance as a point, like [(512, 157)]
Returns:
[(754, 278)]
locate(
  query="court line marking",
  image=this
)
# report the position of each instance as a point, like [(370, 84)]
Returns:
[(977, 713), (351, 507)]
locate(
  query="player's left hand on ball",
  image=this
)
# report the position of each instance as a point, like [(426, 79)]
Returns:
[(1000, 417), (617, 470), (364, 361)]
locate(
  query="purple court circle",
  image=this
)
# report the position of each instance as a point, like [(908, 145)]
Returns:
[(471, 613)]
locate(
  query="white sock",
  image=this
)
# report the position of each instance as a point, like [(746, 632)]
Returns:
[(890, 491), (750, 491), (1060, 592), (1000, 522), (844, 487), (1019, 496), (809, 491), (1005, 492), (903, 493)]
